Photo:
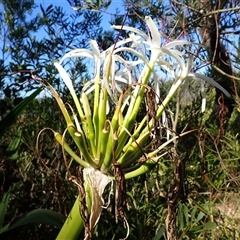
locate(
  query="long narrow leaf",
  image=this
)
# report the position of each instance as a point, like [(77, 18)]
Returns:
[(40, 216), (3, 207), (12, 116), (12, 150)]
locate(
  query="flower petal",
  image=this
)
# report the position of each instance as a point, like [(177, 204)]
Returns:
[(97, 182), (77, 53), (156, 37), (209, 80)]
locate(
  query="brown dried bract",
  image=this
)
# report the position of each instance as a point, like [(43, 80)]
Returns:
[(120, 196), (151, 107), (120, 193)]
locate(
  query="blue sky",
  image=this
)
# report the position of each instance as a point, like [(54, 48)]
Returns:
[(67, 8)]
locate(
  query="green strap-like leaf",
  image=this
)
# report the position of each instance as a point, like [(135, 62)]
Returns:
[(12, 150), (40, 216), (12, 116), (3, 207)]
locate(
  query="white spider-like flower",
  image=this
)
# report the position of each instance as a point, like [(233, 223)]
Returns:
[(165, 58)]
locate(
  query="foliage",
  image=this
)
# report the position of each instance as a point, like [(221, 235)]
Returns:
[(33, 37)]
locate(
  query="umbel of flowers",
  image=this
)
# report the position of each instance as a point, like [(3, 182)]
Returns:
[(115, 147)]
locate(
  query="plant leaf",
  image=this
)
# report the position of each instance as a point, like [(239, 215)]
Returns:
[(40, 216), (12, 116), (12, 150), (159, 234), (210, 225), (3, 207)]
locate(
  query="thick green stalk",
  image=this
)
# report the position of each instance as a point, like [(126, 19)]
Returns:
[(73, 225)]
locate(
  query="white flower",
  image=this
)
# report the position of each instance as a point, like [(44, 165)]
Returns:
[(114, 72)]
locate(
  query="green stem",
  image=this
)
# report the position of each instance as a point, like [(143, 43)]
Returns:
[(102, 120), (164, 104), (134, 149), (90, 134), (67, 148), (146, 167), (73, 225), (104, 142), (133, 109), (96, 109), (109, 156), (82, 146), (110, 145)]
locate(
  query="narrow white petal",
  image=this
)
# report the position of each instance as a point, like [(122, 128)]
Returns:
[(209, 80), (131, 29), (156, 38), (179, 43), (64, 75), (77, 53), (204, 101), (95, 48)]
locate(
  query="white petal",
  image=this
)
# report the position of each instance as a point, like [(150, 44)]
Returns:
[(131, 29), (209, 80), (179, 43), (97, 182), (94, 46), (64, 75), (77, 53), (156, 37)]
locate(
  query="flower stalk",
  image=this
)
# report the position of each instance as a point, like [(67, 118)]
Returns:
[(74, 224)]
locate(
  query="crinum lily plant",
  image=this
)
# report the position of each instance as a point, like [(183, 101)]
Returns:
[(115, 147)]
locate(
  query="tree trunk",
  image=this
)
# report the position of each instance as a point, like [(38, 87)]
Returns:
[(219, 57)]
